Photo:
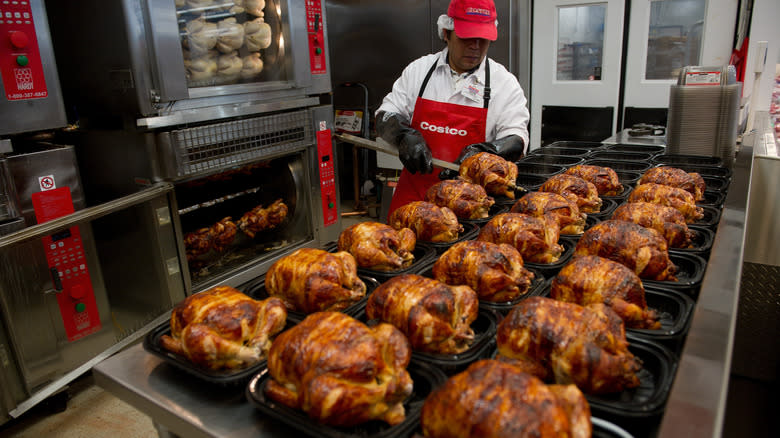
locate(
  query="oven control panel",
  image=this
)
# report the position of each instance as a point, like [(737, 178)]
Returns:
[(316, 34), (20, 59), (327, 176), (67, 263)]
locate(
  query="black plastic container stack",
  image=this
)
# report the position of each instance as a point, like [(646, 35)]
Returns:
[(676, 160), (546, 170), (585, 145), (561, 151), (647, 149), (558, 160), (612, 155), (621, 165)]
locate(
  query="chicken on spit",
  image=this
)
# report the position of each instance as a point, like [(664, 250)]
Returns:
[(435, 317), (466, 200), (536, 238), (197, 243), (495, 271), (263, 218), (341, 372), (311, 280), (568, 343), (429, 222), (692, 182), (604, 178), (593, 279), (643, 250), (574, 189), (492, 399), (666, 220), (669, 196), (223, 233), (221, 328), (564, 211), (492, 172), (378, 246)]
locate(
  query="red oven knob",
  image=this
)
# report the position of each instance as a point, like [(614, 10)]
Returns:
[(77, 292), (19, 39)]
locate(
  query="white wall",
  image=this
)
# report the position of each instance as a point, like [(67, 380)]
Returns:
[(765, 26)]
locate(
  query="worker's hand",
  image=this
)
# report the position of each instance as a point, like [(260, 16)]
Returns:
[(510, 148), (415, 153)]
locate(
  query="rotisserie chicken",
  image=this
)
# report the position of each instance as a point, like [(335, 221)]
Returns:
[(568, 343), (221, 328), (641, 249), (604, 178), (593, 279), (536, 238), (341, 372), (495, 174), (666, 220), (492, 399), (564, 211), (223, 233), (574, 189), (466, 200), (493, 270), (197, 243), (263, 218), (429, 222), (311, 280), (669, 196), (435, 317), (692, 183), (378, 246)]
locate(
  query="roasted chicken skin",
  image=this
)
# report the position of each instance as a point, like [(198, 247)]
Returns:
[(311, 280), (263, 218), (536, 238), (223, 233), (643, 250), (492, 399), (465, 199), (568, 343), (429, 222), (692, 183), (592, 279), (575, 189), (435, 317), (341, 372), (666, 220), (493, 270), (221, 328), (495, 174), (378, 246), (564, 211), (197, 243), (604, 178), (668, 196)]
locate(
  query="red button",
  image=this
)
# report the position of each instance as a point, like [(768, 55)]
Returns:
[(19, 39), (77, 292)]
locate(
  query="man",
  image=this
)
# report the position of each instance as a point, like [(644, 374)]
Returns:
[(454, 103)]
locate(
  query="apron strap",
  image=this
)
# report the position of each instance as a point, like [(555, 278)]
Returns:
[(485, 93), (427, 77)]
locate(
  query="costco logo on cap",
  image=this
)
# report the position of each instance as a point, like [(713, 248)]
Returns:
[(478, 11), (474, 18)]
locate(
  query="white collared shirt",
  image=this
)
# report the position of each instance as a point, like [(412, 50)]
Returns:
[(508, 107)]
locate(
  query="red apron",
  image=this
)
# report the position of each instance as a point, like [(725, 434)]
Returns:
[(447, 128)]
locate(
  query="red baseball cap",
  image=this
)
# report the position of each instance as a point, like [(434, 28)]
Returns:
[(474, 18)]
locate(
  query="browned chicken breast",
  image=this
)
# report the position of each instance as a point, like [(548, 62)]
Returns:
[(495, 174), (466, 200), (668, 196), (492, 399), (536, 238), (592, 279), (311, 280), (263, 218), (495, 271), (221, 328), (565, 212), (666, 220), (378, 246), (604, 178), (568, 343), (692, 183), (641, 249), (222, 234), (197, 243), (341, 372), (435, 317), (575, 189), (429, 222)]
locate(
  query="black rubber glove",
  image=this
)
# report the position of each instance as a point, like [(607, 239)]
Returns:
[(509, 148), (412, 150)]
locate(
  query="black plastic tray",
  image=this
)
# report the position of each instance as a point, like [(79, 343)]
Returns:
[(643, 148), (495, 209), (557, 160), (590, 221), (628, 177), (620, 165), (713, 198), (696, 160), (423, 255), (611, 155), (256, 289), (659, 366), (550, 270), (701, 242), (690, 271), (675, 309), (547, 170), (425, 379), (529, 181), (608, 206), (711, 217), (470, 232), (561, 151), (627, 189), (588, 145), (716, 183), (219, 377), (721, 172)]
